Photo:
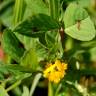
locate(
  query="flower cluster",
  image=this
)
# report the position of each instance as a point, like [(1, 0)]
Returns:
[(55, 72)]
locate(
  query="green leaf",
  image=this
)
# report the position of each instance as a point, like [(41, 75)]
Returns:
[(19, 10), (35, 7), (11, 45), (54, 7), (84, 3), (28, 42), (6, 9), (6, 17), (80, 14), (73, 14), (36, 25), (53, 41), (80, 26), (69, 15), (25, 91), (3, 91), (85, 32), (34, 83), (93, 53), (41, 50), (30, 60), (14, 67), (50, 38)]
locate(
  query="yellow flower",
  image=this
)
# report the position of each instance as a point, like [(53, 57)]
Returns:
[(55, 72)]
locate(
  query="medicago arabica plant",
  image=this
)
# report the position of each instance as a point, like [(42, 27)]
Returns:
[(59, 34)]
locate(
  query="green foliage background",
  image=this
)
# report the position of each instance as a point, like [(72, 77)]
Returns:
[(35, 32)]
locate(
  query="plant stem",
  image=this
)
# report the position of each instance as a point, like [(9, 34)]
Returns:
[(50, 89), (18, 11), (58, 89), (51, 8), (13, 86), (54, 6)]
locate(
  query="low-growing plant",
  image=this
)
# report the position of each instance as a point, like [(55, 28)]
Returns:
[(48, 44)]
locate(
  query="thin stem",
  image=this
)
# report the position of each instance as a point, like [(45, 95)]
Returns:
[(56, 9), (13, 86), (18, 11), (58, 89), (50, 89), (54, 6), (51, 8)]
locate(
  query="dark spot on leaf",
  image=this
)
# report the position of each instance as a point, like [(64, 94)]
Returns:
[(35, 29), (78, 24)]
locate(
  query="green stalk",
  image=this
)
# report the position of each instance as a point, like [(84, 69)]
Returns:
[(18, 11), (57, 6), (54, 6), (14, 85), (58, 89), (51, 8), (50, 89)]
